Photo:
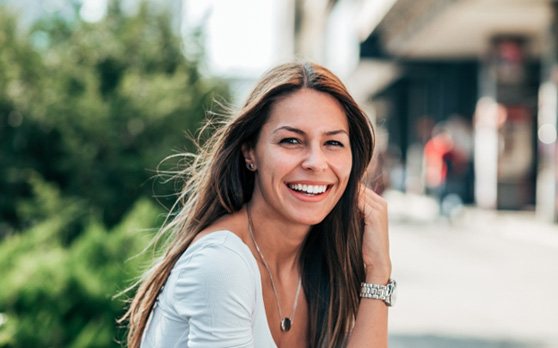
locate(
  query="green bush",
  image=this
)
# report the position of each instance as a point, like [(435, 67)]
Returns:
[(62, 296)]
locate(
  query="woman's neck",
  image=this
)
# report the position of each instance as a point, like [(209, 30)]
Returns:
[(280, 241)]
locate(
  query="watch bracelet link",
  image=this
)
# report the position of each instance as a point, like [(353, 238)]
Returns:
[(378, 291), (374, 291)]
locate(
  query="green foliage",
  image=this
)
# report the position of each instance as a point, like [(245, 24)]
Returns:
[(94, 108), (62, 296)]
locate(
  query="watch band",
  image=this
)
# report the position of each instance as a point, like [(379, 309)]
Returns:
[(379, 292)]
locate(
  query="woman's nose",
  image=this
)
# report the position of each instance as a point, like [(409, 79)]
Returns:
[(315, 159)]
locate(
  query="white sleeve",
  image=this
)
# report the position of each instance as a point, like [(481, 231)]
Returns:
[(216, 294)]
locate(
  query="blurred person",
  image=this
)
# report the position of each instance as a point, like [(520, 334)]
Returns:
[(461, 176), (277, 241), (445, 167)]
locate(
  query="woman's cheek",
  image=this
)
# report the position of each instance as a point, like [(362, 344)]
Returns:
[(343, 168)]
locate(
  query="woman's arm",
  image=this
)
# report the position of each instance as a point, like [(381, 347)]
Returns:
[(370, 329)]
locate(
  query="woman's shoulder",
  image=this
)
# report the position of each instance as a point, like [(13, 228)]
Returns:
[(224, 237), (217, 244), (216, 252), (222, 228), (216, 271), (219, 257)]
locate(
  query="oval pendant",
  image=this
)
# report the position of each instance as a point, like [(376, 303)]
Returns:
[(286, 324)]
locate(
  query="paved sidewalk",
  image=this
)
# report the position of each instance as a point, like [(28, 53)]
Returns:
[(485, 280)]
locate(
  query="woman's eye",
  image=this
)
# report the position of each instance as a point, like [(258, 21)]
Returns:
[(335, 143), (290, 141)]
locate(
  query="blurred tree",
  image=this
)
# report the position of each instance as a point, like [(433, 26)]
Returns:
[(20, 68), (62, 296), (93, 108)]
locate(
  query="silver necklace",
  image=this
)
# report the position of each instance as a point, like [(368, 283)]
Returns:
[(286, 322)]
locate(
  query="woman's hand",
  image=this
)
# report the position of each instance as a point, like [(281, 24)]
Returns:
[(375, 243)]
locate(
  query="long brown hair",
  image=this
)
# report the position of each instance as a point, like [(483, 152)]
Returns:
[(217, 183)]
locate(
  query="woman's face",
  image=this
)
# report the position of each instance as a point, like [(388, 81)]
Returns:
[(303, 158)]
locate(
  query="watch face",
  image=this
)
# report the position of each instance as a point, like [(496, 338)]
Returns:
[(393, 297), (392, 292)]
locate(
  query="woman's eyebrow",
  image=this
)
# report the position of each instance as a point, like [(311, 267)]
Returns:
[(338, 131), (290, 129), (301, 132)]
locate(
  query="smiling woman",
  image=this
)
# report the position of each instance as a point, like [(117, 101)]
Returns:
[(276, 235)]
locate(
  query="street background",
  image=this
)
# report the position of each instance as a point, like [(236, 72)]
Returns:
[(486, 279)]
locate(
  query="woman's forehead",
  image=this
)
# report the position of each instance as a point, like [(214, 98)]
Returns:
[(308, 109)]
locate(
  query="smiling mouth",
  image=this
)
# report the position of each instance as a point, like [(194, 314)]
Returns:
[(310, 190)]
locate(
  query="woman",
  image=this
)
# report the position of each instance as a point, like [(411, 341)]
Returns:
[(276, 231)]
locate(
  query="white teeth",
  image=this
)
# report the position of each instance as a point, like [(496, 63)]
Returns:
[(310, 189)]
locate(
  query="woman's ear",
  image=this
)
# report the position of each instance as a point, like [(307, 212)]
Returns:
[(249, 157)]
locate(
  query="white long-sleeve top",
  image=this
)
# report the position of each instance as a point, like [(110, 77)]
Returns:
[(212, 298)]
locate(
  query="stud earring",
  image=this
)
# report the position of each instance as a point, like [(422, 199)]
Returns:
[(251, 166)]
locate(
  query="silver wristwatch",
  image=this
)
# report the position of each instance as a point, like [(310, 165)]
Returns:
[(385, 293)]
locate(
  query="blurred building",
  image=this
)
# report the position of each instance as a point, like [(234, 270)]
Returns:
[(482, 71)]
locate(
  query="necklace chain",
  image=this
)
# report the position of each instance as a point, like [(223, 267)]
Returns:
[(286, 322)]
